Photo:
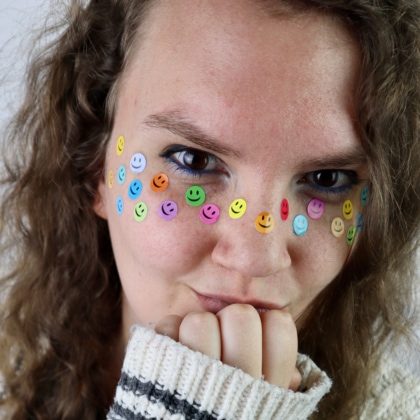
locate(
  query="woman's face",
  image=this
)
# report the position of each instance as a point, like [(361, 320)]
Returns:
[(245, 106)]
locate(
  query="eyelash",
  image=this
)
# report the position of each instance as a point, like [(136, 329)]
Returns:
[(168, 155), (306, 180), (349, 180)]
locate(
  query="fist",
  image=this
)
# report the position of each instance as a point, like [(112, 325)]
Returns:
[(264, 345)]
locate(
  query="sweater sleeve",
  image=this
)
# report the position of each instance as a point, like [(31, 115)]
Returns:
[(394, 394), (162, 379)]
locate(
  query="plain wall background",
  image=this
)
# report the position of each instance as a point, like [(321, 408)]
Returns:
[(19, 19)]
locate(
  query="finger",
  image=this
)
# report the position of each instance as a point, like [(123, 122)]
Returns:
[(296, 380), (200, 331), (279, 338), (241, 334), (169, 325)]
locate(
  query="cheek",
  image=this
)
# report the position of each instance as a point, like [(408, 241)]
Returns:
[(157, 243)]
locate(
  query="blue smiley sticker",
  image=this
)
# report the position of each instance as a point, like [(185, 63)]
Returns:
[(120, 205), (364, 195), (135, 189), (300, 225), (359, 222), (121, 174)]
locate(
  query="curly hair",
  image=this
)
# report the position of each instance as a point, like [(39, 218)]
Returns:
[(63, 307)]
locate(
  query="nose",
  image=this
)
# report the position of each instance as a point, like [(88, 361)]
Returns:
[(243, 249)]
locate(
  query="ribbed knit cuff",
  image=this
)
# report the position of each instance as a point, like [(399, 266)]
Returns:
[(163, 379)]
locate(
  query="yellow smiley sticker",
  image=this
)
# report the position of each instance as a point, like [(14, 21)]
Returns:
[(337, 227), (111, 179), (264, 222), (237, 209), (348, 210), (120, 145)]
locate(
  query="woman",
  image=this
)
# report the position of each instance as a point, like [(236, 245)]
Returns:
[(278, 104)]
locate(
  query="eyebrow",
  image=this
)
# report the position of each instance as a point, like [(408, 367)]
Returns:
[(348, 159), (176, 123)]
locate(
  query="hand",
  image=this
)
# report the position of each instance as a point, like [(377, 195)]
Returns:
[(264, 345)]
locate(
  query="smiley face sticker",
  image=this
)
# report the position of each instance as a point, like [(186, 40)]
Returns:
[(300, 225), (135, 189), (120, 145), (168, 210), (209, 214), (348, 210), (195, 196), (237, 209), (359, 222), (337, 227), (364, 195), (137, 163), (110, 178), (284, 209), (351, 234), (264, 222), (140, 211), (121, 174), (159, 183), (120, 205), (315, 209)]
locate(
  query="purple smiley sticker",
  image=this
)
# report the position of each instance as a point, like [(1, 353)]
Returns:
[(168, 210), (209, 214)]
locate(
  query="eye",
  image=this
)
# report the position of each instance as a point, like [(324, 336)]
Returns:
[(194, 161), (330, 180)]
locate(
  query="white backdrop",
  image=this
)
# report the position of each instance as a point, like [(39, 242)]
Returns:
[(18, 20)]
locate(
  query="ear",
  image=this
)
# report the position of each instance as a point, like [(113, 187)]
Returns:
[(99, 206)]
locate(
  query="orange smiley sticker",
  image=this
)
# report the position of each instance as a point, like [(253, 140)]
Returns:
[(159, 183), (264, 222)]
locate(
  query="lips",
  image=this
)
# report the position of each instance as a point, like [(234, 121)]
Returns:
[(215, 303)]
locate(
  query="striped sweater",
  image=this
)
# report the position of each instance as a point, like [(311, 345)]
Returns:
[(162, 379)]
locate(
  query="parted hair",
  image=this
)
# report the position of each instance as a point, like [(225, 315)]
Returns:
[(61, 307)]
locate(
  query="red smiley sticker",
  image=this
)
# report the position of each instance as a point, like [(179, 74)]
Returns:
[(284, 209)]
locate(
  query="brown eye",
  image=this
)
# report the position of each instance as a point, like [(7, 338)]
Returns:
[(325, 179), (194, 159)]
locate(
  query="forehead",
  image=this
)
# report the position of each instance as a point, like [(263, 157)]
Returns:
[(245, 66)]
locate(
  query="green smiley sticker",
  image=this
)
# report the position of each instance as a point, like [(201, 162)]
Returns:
[(140, 211), (351, 234), (195, 196)]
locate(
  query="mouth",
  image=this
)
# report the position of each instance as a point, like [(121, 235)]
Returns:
[(215, 303)]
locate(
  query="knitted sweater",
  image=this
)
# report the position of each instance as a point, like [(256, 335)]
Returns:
[(162, 379)]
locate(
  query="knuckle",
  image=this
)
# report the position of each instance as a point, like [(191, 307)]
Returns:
[(240, 312), (280, 319), (197, 321)]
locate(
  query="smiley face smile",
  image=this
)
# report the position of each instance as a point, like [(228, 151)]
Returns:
[(264, 223)]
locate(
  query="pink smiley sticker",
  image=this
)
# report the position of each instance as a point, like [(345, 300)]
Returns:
[(315, 209), (209, 214)]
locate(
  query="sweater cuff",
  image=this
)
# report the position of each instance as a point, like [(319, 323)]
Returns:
[(163, 379)]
